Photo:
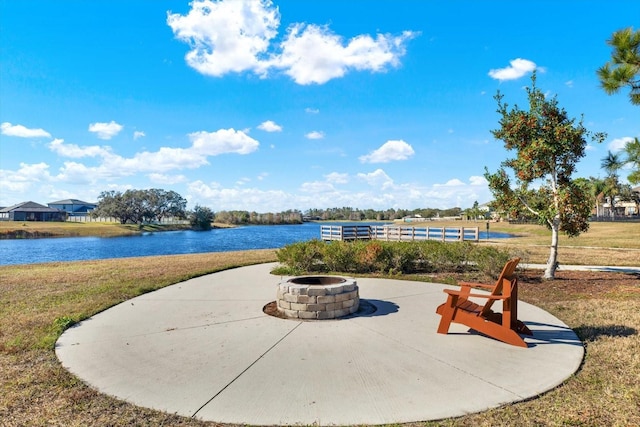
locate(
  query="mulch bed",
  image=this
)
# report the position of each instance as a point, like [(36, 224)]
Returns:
[(588, 283)]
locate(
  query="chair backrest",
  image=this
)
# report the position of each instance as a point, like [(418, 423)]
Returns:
[(503, 284)]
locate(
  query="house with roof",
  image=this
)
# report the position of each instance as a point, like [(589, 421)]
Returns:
[(73, 207), (31, 211)]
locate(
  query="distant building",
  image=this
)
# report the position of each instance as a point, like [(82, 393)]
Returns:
[(73, 207), (31, 211), (623, 208)]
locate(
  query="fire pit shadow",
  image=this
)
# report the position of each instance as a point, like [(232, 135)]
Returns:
[(378, 308)]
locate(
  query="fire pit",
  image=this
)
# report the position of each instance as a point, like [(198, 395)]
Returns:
[(317, 297)]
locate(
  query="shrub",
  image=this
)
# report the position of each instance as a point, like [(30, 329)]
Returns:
[(303, 256), (391, 257), (489, 260), (340, 256), (404, 257)]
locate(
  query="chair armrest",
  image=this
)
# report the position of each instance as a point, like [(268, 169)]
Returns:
[(485, 296)]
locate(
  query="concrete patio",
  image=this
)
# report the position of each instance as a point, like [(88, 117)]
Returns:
[(205, 349)]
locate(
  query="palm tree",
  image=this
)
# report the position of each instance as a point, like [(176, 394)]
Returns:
[(597, 186), (624, 67), (612, 164)]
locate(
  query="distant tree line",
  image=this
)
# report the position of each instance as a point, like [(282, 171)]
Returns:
[(354, 214), (145, 206), (246, 217)]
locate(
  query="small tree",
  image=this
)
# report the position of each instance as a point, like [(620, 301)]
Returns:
[(201, 218), (612, 163), (548, 145)]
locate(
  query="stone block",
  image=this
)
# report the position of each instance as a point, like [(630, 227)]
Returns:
[(284, 305), (342, 313), (298, 306), (343, 297), (348, 303), (307, 299), (308, 315), (290, 298), (326, 299), (334, 306), (327, 314), (350, 287), (316, 307), (335, 289), (316, 291), (298, 289), (291, 313), (353, 309)]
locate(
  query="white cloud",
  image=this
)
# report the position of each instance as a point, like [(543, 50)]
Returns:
[(315, 135), (270, 126), (223, 141), (138, 134), (389, 151), (451, 183), (478, 180), (618, 144), (227, 36), (311, 110), (74, 151), (214, 194), (316, 187), (313, 54), (517, 68), (105, 130), (377, 178), (569, 83), (337, 178), (236, 35), (22, 132), (204, 144), (159, 178)]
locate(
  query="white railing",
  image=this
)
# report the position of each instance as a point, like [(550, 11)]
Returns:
[(398, 233)]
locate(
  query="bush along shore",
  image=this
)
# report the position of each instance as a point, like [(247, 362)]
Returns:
[(389, 258)]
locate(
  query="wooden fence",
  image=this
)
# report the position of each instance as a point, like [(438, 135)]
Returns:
[(398, 233)]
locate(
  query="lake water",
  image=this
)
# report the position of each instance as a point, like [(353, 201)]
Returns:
[(29, 251)]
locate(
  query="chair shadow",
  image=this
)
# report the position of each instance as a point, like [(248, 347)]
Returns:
[(588, 333)]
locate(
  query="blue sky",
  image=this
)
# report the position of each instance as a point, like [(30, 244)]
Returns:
[(268, 106)]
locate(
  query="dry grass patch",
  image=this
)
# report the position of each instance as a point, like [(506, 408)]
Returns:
[(40, 300), (36, 229)]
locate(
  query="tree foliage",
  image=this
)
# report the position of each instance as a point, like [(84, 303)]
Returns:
[(140, 206), (201, 218), (624, 67), (632, 151), (548, 145)]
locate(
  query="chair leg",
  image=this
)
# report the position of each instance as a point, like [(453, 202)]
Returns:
[(446, 312)]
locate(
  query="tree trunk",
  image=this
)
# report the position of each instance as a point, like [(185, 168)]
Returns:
[(552, 263)]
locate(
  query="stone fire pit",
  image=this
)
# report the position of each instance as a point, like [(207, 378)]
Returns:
[(317, 297)]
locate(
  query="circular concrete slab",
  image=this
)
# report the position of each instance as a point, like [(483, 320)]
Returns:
[(204, 349)]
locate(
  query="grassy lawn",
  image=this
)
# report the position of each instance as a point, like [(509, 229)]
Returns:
[(38, 301), (26, 229), (30, 229)]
